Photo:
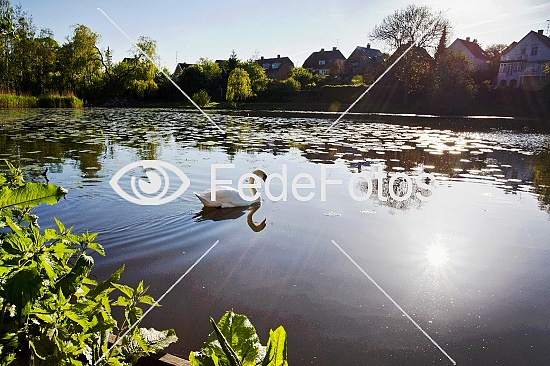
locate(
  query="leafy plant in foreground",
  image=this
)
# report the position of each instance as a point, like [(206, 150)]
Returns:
[(51, 312), (234, 342)]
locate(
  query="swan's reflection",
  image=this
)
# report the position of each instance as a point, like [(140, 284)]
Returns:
[(219, 214)]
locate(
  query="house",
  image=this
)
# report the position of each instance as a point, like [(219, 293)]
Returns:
[(361, 59), (276, 68), (479, 60), (326, 62), (522, 64), (179, 69)]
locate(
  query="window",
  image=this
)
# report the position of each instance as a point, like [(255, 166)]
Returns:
[(275, 65), (517, 67), (508, 69), (523, 50), (502, 67), (266, 66), (321, 62), (355, 64), (534, 50), (513, 82)]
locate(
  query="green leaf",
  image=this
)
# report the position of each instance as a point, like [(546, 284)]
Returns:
[(241, 343), (121, 301), (126, 290), (60, 226), (97, 247), (78, 318), (14, 227), (21, 289), (106, 285), (145, 341), (72, 280), (276, 354), (133, 315), (48, 265), (31, 194), (230, 354), (146, 299)]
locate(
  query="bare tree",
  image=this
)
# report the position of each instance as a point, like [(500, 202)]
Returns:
[(414, 23)]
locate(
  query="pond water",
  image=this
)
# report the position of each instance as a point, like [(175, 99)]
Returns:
[(471, 265)]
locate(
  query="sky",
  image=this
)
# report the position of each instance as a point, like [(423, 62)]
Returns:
[(189, 29)]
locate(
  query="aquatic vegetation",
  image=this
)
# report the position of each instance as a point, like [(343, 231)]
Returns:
[(52, 312)]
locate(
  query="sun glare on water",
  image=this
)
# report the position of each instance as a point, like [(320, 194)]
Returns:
[(437, 255)]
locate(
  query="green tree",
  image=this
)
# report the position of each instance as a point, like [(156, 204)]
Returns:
[(45, 65), (193, 79), (142, 79), (213, 77), (134, 76), (7, 37), (303, 76), (238, 85), (231, 63), (442, 46), (80, 62), (21, 51), (256, 73), (454, 86), (414, 70)]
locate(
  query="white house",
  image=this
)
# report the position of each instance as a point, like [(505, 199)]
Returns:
[(523, 63), (479, 60)]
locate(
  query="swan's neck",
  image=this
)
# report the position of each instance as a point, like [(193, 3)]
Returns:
[(252, 189)]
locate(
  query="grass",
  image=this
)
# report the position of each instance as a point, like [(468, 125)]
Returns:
[(44, 101)]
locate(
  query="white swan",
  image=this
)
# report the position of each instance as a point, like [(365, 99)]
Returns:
[(229, 196)]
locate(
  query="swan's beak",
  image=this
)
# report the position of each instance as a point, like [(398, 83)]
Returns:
[(264, 177)]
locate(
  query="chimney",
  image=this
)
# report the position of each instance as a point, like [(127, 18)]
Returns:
[(541, 31), (475, 40), (322, 50), (278, 56), (261, 58), (467, 39), (334, 48), (368, 46)]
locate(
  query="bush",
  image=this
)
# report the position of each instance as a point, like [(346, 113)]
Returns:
[(52, 313), (201, 98), (357, 80)]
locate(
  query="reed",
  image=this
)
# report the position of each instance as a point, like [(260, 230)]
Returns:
[(44, 101)]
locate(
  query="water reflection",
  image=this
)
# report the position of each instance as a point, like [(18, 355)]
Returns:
[(437, 255), (84, 138), (232, 213), (541, 178)]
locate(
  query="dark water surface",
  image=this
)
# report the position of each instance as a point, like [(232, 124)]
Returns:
[(471, 265)]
